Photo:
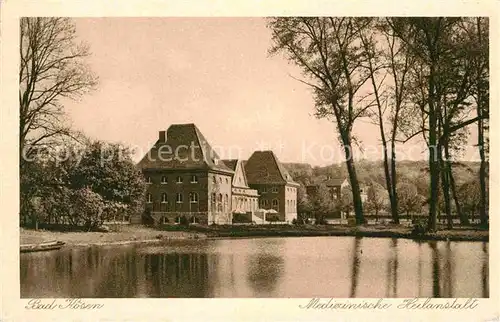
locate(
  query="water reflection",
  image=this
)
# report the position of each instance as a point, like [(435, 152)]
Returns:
[(267, 267)]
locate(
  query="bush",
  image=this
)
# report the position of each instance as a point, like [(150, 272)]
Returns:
[(419, 228)]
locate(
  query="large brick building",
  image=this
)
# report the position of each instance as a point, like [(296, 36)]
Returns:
[(186, 177), (275, 186)]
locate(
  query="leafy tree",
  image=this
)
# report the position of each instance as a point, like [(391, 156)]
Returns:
[(410, 201), (470, 195), (322, 203), (441, 79), (88, 208), (304, 204), (346, 201), (376, 199), (108, 170), (328, 52)]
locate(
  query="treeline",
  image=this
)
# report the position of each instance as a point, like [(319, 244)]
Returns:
[(412, 189), (65, 178), (424, 77)]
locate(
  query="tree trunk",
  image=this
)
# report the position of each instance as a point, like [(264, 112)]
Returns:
[(463, 217), (394, 200), (353, 179), (446, 194), (482, 103)]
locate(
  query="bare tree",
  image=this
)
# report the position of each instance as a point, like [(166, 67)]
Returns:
[(51, 68), (388, 67), (329, 53)]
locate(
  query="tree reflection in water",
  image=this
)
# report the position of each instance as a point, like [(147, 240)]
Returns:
[(485, 271), (264, 272), (392, 270), (436, 289), (355, 266)]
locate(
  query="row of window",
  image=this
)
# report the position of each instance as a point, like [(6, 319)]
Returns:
[(265, 190), (264, 203), (179, 198), (180, 179)]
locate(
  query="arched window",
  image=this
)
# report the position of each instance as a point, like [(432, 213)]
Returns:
[(276, 204), (164, 180), (149, 198), (179, 179), (179, 198), (214, 179), (226, 200), (220, 179), (164, 198), (193, 197), (220, 198)]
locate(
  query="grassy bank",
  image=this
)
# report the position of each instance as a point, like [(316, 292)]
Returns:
[(392, 231), (125, 234), (120, 234)]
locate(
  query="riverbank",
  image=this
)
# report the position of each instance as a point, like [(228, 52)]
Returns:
[(120, 235), (388, 231), (128, 234)]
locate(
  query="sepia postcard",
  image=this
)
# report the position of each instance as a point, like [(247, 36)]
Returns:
[(243, 160)]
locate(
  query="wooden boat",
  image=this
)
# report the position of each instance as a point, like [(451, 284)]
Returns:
[(46, 246)]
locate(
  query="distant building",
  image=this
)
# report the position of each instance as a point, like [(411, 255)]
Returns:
[(186, 178), (336, 187), (276, 187)]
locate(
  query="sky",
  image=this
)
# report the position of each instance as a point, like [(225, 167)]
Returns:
[(214, 72)]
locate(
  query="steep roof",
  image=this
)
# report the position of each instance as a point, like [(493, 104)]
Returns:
[(238, 167), (183, 147), (263, 167)]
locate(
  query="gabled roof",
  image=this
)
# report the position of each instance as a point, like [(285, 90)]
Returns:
[(233, 165), (185, 148), (263, 167)]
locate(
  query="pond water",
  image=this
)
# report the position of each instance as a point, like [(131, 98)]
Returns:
[(337, 267)]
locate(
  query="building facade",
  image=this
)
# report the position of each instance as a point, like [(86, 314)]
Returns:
[(275, 186), (186, 178)]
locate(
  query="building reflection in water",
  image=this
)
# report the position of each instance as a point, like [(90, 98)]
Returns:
[(280, 267)]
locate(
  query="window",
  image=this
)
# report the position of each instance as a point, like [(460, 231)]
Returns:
[(226, 199), (149, 198), (276, 204), (194, 179), (148, 180), (165, 220), (179, 179), (193, 197), (220, 197), (264, 189), (220, 179), (164, 198), (274, 189), (164, 180), (179, 198), (214, 179), (227, 180), (213, 197)]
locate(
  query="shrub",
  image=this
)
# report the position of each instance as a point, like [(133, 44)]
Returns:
[(419, 228)]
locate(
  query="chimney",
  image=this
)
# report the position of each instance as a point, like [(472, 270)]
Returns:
[(161, 136)]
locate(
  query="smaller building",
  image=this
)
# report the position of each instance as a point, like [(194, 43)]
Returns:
[(245, 201)]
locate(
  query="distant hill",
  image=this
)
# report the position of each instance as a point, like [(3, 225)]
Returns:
[(369, 171)]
